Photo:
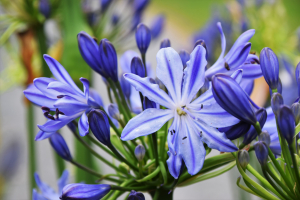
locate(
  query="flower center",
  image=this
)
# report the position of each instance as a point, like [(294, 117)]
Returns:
[(180, 111)]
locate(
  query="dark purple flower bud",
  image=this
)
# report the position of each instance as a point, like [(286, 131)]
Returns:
[(137, 67), (286, 123), (202, 43), (89, 51), (157, 26), (108, 59), (136, 196), (45, 8), (165, 43), (236, 131), (125, 86), (232, 98), (140, 5), (296, 111), (80, 191), (148, 103), (115, 19), (261, 115), (185, 56), (269, 67), (276, 102), (244, 158), (142, 37), (261, 152), (60, 146), (139, 152), (72, 127), (265, 137), (297, 75), (105, 4), (99, 125), (113, 111)]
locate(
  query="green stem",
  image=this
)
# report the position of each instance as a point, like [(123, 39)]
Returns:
[(104, 148), (154, 142), (279, 169), (41, 37), (257, 128), (144, 61), (121, 108), (121, 158), (92, 171), (150, 176), (94, 152), (163, 142), (136, 188), (280, 183), (124, 100), (109, 94), (295, 167), (141, 169), (31, 146), (282, 194), (255, 191)]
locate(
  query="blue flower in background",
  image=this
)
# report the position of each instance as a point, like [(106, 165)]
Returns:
[(64, 97), (194, 121), (47, 193), (238, 57)]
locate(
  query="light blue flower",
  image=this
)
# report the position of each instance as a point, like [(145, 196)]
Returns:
[(238, 57), (47, 193), (193, 121), (63, 96)]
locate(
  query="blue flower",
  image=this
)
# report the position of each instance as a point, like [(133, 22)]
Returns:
[(286, 124), (64, 97), (194, 121), (165, 43), (261, 152), (46, 191), (136, 196), (45, 8), (142, 37), (157, 26), (238, 57), (80, 191), (60, 146), (269, 67)]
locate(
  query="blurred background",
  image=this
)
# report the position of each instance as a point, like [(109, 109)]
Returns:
[(30, 28)]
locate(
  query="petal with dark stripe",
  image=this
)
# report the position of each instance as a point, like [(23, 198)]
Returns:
[(37, 97), (149, 121), (150, 90), (83, 125), (170, 71), (194, 74), (213, 138)]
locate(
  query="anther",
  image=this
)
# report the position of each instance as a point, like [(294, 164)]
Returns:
[(253, 52), (60, 96), (184, 138), (45, 108), (227, 66), (201, 106), (200, 133), (48, 116)]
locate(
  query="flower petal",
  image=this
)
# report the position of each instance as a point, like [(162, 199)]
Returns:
[(170, 71), (96, 97), (46, 190), (86, 87), (65, 90), (37, 196), (149, 121), (247, 85), (63, 181), (70, 106), (60, 73), (41, 135), (174, 163), (223, 43), (214, 139), (83, 125), (191, 147), (42, 84), (194, 74), (150, 90), (55, 125), (37, 97), (251, 71)]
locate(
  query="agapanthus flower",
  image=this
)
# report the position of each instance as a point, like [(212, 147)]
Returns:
[(64, 97), (193, 121), (238, 57), (47, 193)]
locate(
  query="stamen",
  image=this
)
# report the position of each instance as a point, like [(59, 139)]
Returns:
[(184, 138), (227, 66), (201, 106), (56, 113), (60, 96), (45, 108), (200, 133), (48, 116)]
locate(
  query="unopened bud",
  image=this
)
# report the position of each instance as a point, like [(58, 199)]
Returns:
[(276, 102), (265, 137), (139, 152), (243, 157), (261, 152), (113, 111), (296, 111), (165, 43)]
